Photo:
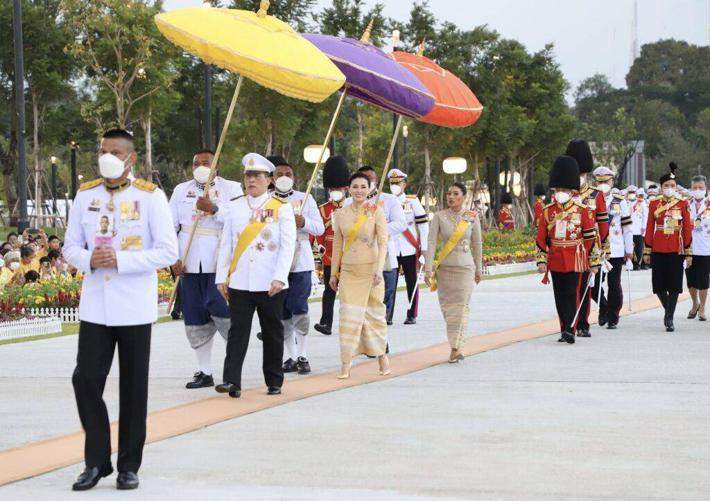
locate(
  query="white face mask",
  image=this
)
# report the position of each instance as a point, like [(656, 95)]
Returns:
[(562, 197), (110, 166), (668, 192), (201, 174), (14, 265), (395, 189), (283, 184), (698, 194), (336, 195), (604, 188)]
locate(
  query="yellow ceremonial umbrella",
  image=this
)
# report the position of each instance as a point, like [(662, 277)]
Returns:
[(254, 45)]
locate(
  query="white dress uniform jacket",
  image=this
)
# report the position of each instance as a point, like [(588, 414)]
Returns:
[(700, 214), (413, 210), (269, 255), (396, 224), (621, 238), (639, 216), (303, 258), (203, 253), (141, 232)]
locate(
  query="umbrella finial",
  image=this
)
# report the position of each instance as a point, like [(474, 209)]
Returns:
[(420, 52), (263, 8), (368, 31)]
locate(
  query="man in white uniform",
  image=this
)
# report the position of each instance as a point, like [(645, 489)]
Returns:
[(638, 214), (411, 244), (310, 224), (204, 309), (620, 249), (396, 224), (255, 256), (119, 302), (698, 274)]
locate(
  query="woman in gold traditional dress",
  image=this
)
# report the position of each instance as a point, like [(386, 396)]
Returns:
[(359, 251), (456, 266)]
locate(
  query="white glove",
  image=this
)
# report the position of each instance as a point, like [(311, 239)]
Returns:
[(421, 259), (629, 265)]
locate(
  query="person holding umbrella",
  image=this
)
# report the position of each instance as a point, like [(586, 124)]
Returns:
[(336, 178)]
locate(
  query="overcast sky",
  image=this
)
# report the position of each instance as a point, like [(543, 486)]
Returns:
[(590, 36)]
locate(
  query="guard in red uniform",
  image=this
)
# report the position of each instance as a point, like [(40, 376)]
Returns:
[(566, 239), (506, 221), (668, 239), (335, 180), (539, 193), (594, 199)]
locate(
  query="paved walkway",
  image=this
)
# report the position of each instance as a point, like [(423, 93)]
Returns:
[(620, 415)]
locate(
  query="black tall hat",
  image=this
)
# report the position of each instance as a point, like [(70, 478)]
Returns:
[(505, 198), (539, 190), (564, 173), (670, 175), (580, 151), (335, 172), (278, 160)]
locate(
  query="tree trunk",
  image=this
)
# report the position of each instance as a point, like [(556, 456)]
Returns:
[(9, 171), (37, 159), (360, 135), (427, 177), (147, 131)]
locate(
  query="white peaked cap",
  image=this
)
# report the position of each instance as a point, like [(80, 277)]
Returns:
[(253, 162)]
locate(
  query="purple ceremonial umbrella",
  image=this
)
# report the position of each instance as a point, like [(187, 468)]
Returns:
[(374, 77)]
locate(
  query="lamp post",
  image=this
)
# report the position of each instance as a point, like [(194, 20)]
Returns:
[(73, 145), (405, 135), (53, 160), (22, 221)]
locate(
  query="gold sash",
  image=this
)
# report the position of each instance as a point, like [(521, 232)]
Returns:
[(450, 244), (354, 230), (250, 233), (664, 208)]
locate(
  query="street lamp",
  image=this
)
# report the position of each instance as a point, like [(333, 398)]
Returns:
[(455, 165), (53, 160), (312, 153)]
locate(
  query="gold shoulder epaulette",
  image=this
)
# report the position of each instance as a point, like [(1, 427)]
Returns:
[(617, 196), (90, 184), (580, 204), (145, 185), (411, 196)]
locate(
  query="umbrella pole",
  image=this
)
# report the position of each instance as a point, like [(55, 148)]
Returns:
[(213, 173), (314, 174), (389, 156)]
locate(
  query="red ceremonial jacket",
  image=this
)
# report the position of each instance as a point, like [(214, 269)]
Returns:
[(325, 241), (594, 199), (669, 228), (506, 221), (566, 237)]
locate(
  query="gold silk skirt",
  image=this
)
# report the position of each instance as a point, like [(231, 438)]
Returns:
[(363, 328), (455, 287)]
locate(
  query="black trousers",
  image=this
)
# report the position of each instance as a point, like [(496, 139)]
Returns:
[(326, 317), (614, 300), (638, 252), (242, 305), (565, 287), (93, 363), (409, 265)]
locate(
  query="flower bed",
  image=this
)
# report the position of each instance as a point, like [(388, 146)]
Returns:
[(508, 247)]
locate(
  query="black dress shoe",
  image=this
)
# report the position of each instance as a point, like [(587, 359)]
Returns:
[(583, 333), (568, 337), (611, 326), (90, 477), (233, 391), (323, 329), (561, 340), (603, 318), (389, 322), (670, 327), (273, 390), (127, 480), (303, 366), (290, 365), (410, 321), (200, 380), (176, 315)]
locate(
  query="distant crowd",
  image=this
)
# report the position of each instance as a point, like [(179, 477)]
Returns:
[(31, 257)]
